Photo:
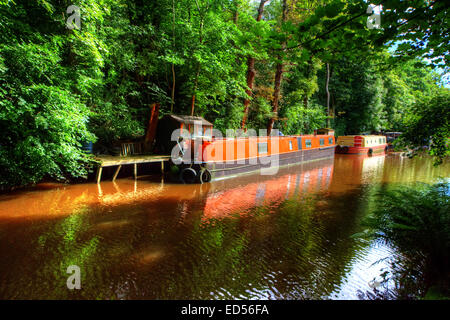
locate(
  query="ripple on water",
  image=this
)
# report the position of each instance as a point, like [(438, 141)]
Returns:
[(287, 236)]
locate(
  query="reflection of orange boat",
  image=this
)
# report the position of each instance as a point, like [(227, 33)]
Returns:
[(307, 178), (355, 169), (50, 200), (53, 201)]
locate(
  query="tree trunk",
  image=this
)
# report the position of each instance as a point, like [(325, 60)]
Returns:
[(251, 71), (308, 75), (250, 79), (276, 95), (278, 78), (334, 109), (195, 90), (236, 12), (173, 67), (173, 89), (328, 95), (202, 14)]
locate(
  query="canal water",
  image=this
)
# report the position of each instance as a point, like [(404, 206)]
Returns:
[(288, 236)]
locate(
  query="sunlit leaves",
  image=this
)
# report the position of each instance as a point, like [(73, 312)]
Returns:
[(429, 126)]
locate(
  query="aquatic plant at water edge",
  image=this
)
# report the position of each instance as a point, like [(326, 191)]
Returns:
[(416, 220)]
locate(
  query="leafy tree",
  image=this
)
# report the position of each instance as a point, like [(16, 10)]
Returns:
[(42, 114), (356, 97), (251, 69), (404, 85), (429, 124), (419, 27), (221, 59)]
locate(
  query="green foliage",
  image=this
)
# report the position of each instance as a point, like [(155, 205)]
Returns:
[(356, 91), (130, 54), (113, 122), (301, 120), (420, 27), (228, 115), (46, 126), (416, 220), (260, 113), (45, 121), (429, 125), (375, 96)]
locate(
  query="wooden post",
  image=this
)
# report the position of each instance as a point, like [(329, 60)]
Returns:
[(152, 125), (162, 167), (116, 187), (116, 173), (135, 171), (100, 192), (99, 174)]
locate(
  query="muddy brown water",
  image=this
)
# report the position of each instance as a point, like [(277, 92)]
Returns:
[(287, 236)]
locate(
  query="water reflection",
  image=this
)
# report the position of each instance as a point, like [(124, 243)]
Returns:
[(274, 237)]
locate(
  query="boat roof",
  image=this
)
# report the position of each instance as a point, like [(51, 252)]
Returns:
[(361, 135), (190, 119)]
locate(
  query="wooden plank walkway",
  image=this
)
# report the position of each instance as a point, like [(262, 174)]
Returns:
[(119, 161)]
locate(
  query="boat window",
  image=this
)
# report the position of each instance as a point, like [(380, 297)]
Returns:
[(380, 140), (262, 147), (330, 140), (290, 145), (207, 132), (322, 142), (308, 143), (197, 131), (299, 143)]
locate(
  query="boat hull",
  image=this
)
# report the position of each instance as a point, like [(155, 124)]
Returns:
[(267, 165), (361, 150)]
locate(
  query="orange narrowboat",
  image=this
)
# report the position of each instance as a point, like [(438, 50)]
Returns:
[(200, 153), (361, 144)]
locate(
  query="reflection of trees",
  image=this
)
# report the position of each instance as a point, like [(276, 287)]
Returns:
[(294, 244), (400, 169), (297, 252), (296, 248), (41, 272)]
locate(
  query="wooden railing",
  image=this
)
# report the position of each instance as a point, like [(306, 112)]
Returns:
[(131, 148)]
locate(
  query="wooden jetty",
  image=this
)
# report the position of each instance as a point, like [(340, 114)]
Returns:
[(119, 161)]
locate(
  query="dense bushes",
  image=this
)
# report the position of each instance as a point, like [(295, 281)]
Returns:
[(429, 125), (188, 56), (46, 126), (42, 121), (416, 220)]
